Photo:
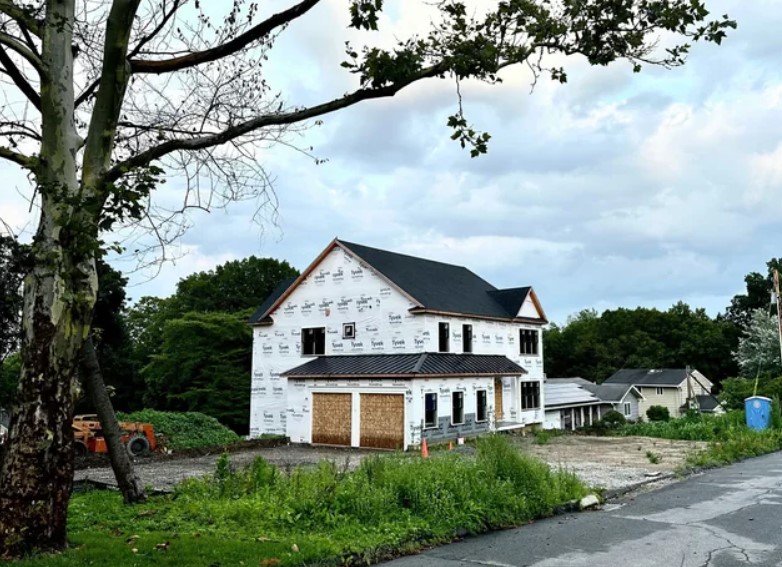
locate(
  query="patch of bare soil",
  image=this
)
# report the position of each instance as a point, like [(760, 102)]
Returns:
[(164, 474), (611, 462)]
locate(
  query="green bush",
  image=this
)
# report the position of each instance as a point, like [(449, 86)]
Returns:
[(186, 430), (446, 493), (613, 418), (658, 413)]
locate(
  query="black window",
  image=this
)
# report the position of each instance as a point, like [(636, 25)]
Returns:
[(348, 330), (430, 410), (457, 408), (444, 338), (466, 338), (480, 410), (530, 395), (313, 341), (528, 341)]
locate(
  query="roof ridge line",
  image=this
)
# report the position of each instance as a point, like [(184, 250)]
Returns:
[(419, 363)]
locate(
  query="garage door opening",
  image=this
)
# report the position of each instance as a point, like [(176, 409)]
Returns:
[(331, 421)]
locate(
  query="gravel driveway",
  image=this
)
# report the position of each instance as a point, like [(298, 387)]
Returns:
[(612, 463)]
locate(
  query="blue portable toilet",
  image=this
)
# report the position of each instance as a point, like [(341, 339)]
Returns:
[(758, 412)]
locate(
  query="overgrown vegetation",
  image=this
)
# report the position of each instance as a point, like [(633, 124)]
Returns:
[(186, 430), (658, 413), (388, 505), (728, 436)]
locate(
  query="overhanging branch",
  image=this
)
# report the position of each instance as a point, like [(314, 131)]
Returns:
[(202, 142), (18, 47), (17, 158), (20, 16), (228, 48), (19, 80)]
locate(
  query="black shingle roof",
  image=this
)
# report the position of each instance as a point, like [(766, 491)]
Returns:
[(278, 291), (422, 364), (442, 287), (648, 376), (707, 403)]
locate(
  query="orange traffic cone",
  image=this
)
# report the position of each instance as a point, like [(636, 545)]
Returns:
[(450, 445), (424, 449)]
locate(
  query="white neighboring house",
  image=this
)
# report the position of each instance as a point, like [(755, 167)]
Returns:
[(670, 388), (370, 348), (576, 402)]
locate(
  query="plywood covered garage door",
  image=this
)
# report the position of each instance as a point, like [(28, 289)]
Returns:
[(382, 421), (331, 419)]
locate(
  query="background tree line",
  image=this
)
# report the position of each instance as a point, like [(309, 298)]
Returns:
[(732, 349)]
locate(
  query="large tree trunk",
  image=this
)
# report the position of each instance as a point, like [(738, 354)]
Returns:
[(129, 484), (37, 472)]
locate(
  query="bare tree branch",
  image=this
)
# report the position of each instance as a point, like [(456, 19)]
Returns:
[(20, 159), (19, 80), (238, 43), (23, 50), (234, 132), (113, 83), (23, 18)]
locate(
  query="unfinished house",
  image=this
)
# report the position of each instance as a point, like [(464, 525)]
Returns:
[(370, 348)]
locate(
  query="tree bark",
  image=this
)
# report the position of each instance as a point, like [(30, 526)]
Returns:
[(129, 484), (36, 475)]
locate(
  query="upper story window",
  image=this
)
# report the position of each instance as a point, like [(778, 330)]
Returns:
[(313, 341), (660, 391), (528, 341), (444, 341), (466, 338)]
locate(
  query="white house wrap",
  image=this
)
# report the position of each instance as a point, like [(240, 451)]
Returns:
[(354, 302)]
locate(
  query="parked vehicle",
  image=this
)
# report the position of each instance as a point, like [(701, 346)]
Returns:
[(139, 438)]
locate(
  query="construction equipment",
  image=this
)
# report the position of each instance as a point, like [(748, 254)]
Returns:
[(139, 438)]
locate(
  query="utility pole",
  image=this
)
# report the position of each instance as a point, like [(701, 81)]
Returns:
[(779, 309)]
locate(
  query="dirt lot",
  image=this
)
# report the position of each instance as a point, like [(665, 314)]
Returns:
[(612, 462), (607, 462)]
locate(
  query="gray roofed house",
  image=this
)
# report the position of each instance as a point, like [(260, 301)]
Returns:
[(371, 348), (623, 398), (666, 387)]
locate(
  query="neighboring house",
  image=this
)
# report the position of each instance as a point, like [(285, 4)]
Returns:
[(369, 348), (667, 387), (569, 406), (624, 398), (589, 402)]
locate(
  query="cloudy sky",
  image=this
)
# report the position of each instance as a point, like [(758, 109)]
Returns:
[(615, 189)]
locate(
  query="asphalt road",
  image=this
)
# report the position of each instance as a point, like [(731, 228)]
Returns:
[(722, 518)]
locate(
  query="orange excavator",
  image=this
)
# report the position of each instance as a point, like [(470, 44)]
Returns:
[(139, 438)]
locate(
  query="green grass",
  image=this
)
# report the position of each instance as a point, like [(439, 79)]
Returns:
[(387, 506), (185, 430)]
